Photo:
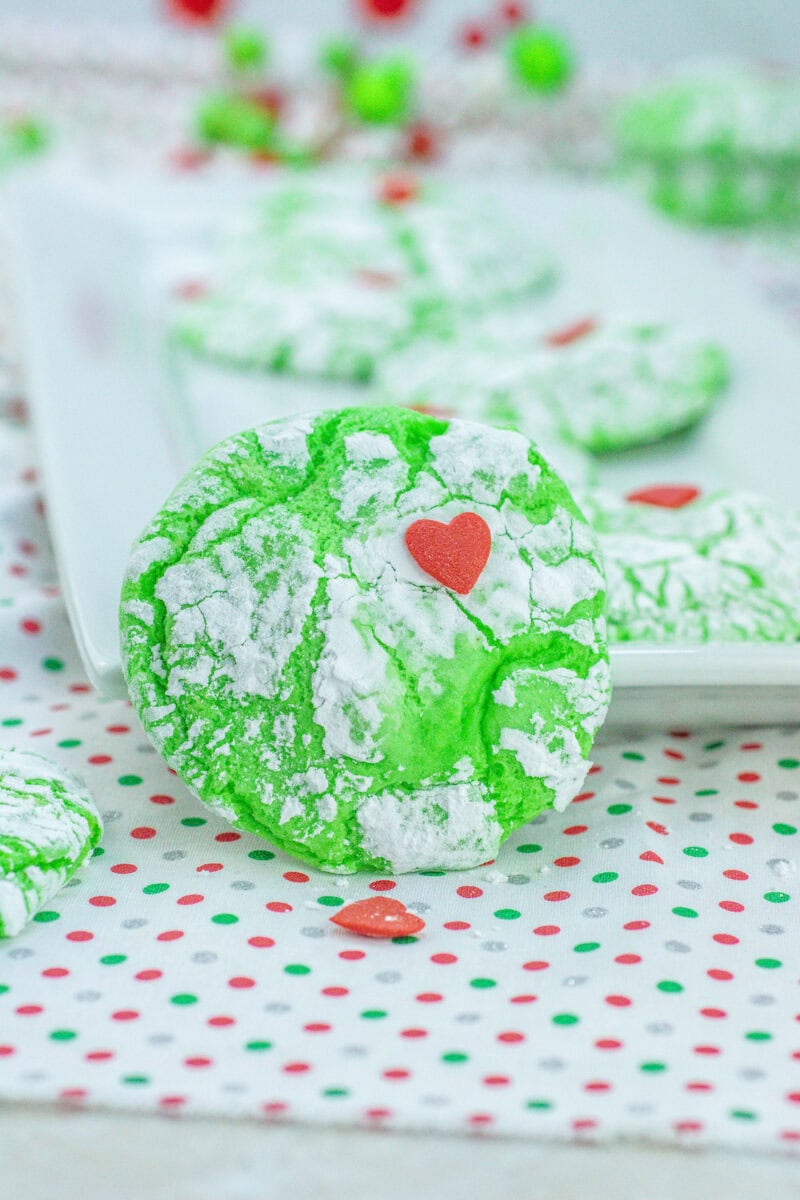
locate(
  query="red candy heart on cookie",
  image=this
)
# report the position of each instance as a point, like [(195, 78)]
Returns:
[(665, 495), (453, 554), (378, 917)]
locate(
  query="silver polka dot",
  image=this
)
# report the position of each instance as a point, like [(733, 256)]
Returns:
[(781, 866), (494, 947), (388, 976), (33, 1076), (677, 947), (574, 980), (595, 912), (355, 1051), (551, 1064), (88, 995), (772, 929), (435, 1101), (752, 1073), (639, 1109), (72, 883), (467, 1018), (242, 885), (204, 956), (762, 999), (700, 816), (659, 1027), (277, 1006), (624, 785), (173, 855), (786, 795), (235, 1088), (160, 1039), (419, 907), (134, 923), (519, 879), (21, 952), (691, 885), (313, 931), (612, 843), (708, 764), (540, 820), (87, 716), (112, 814), (145, 748)]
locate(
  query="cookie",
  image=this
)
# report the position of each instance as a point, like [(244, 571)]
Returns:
[(682, 567), (612, 384), (719, 148), (48, 826), (373, 637), (323, 281)]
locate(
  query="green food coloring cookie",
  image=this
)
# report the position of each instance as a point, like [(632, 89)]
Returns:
[(48, 826), (373, 637)]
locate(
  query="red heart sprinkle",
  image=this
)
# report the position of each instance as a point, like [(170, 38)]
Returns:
[(431, 410), (571, 333), (379, 917), (398, 189), (376, 279), (453, 554), (665, 495)]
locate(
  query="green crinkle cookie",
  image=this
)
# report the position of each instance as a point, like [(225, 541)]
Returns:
[(720, 568), (48, 826), (313, 684)]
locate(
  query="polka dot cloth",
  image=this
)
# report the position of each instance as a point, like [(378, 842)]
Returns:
[(627, 967)]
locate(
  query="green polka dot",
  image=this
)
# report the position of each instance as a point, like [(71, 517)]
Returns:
[(713, 745), (224, 918), (565, 1019), (373, 1014), (334, 1093), (680, 911), (330, 901), (258, 855), (695, 851), (585, 947), (297, 969), (155, 889), (480, 982), (405, 940), (769, 964), (454, 1056), (47, 914), (69, 743), (785, 829), (758, 1035), (129, 780), (183, 998), (4, 988), (538, 1105), (528, 848), (63, 1035), (707, 792), (52, 664), (258, 1045), (617, 809), (507, 914), (777, 897), (9, 721), (669, 985), (111, 960), (789, 763), (743, 1114), (633, 756), (605, 877), (192, 822), (98, 852), (430, 873), (136, 1079), (652, 1068)]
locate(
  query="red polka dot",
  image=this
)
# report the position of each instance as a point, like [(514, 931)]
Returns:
[(55, 972), (413, 1033), (429, 997), (538, 964), (566, 861), (738, 875), (278, 906), (635, 926), (142, 832), (191, 898), (396, 1073), (5, 1051), (198, 1061), (510, 1037), (718, 973), (741, 839), (29, 1010), (676, 754), (644, 889), (7, 674), (296, 1068), (619, 1001), (102, 901), (731, 906), (793, 1097), (170, 935), (556, 897), (444, 959), (99, 1055), (80, 935), (382, 885), (457, 925), (657, 827), (241, 981), (688, 1126), (651, 856), (669, 780), (547, 930), (709, 1050), (597, 1085), (295, 877), (628, 959), (317, 1027), (608, 1044), (715, 1014), (210, 868), (30, 626), (496, 1080), (572, 830), (146, 976), (790, 1135), (99, 760), (523, 998), (584, 1124), (172, 1101), (726, 939), (335, 991), (274, 1108), (748, 777), (221, 1022), (227, 837), (378, 1114), (699, 1085), (118, 728), (748, 804), (162, 799), (125, 1014), (73, 1095), (473, 36), (261, 943), (79, 688), (469, 893), (352, 955), (663, 799), (124, 868)]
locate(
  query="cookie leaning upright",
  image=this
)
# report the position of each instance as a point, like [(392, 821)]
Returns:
[(373, 637), (48, 827)]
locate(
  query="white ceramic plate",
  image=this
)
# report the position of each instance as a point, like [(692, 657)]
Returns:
[(94, 259)]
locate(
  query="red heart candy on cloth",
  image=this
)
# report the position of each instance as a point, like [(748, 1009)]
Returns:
[(453, 554), (665, 495), (571, 333), (378, 917)]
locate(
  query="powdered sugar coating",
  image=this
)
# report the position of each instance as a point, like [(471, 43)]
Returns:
[(305, 676)]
